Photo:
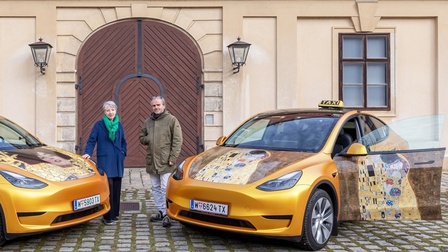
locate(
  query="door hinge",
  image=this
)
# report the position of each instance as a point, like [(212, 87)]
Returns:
[(199, 85), (79, 86), (199, 146), (78, 147)]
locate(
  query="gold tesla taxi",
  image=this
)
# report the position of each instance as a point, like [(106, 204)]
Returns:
[(296, 173), (43, 188)]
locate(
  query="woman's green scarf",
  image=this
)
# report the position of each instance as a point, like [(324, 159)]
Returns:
[(112, 126)]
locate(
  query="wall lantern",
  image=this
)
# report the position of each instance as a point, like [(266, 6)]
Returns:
[(41, 54), (238, 54)]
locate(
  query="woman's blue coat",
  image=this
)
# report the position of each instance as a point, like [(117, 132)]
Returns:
[(110, 155)]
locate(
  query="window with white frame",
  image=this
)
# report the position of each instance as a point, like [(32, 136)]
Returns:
[(364, 71)]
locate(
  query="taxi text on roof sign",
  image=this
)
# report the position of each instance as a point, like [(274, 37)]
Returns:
[(331, 104)]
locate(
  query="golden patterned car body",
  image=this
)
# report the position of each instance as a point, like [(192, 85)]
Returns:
[(44, 188), (252, 184)]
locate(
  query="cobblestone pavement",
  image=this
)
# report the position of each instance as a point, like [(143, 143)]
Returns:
[(134, 232)]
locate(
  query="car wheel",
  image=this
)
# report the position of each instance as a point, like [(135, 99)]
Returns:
[(318, 222)]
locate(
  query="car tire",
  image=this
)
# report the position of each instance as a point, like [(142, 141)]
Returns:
[(318, 221)]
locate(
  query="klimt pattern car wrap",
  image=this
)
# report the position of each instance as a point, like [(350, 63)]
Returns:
[(49, 163), (400, 185), (241, 166)]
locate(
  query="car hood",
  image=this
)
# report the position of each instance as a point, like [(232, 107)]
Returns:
[(241, 166), (48, 162)]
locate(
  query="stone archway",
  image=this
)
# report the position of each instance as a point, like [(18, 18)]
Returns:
[(76, 24), (129, 62)]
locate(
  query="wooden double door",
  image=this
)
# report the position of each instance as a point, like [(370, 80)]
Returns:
[(129, 62)]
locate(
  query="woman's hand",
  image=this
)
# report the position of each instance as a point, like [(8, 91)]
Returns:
[(86, 156)]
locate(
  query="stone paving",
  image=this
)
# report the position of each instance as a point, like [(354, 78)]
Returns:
[(134, 232)]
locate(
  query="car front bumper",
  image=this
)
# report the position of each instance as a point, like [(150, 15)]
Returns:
[(250, 211), (28, 211)]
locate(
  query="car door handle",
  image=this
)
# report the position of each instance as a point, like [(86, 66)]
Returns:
[(422, 163)]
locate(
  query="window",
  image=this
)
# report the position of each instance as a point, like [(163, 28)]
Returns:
[(364, 71), (13, 137), (286, 132), (374, 130)]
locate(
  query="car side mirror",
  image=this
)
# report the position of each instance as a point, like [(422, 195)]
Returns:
[(357, 149), (221, 140)]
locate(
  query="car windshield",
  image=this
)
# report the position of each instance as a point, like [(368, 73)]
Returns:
[(14, 137), (284, 132)]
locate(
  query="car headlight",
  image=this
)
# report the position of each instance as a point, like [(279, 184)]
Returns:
[(178, 174), (284, 182), (22, 181)]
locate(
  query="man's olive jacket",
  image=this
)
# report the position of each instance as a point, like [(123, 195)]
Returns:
[(163, 137)]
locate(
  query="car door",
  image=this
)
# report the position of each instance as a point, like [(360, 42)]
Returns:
[(392, 179)]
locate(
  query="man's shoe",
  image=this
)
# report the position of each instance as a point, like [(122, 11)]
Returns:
[(156, 217), (115, 219), (166, 222), (108, 222)]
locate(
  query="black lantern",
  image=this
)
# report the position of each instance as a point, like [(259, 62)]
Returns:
[(238, 54), (41, 54)]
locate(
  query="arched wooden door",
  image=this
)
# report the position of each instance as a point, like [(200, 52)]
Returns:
[(131, 61)]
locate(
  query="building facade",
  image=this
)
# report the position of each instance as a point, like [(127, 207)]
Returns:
[(386, 56)]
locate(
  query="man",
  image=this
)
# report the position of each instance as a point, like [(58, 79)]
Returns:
[(162, 133)]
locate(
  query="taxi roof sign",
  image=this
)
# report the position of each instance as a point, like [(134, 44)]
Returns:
[(331, 104)]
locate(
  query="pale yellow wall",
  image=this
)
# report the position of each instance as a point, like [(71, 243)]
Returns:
[(18, 81), (34, 102), (317, 57), (292, 61), (416, 62), (258, 90)]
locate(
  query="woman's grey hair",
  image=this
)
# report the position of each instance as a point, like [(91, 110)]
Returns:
[(109, 104), (158, 97)]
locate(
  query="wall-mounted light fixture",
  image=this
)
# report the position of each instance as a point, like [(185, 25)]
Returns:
[(238, 54), (41, 54)]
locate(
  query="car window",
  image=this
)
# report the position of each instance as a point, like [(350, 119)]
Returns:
[(420, 132), (407, 134), (14, 137), (374, 131)]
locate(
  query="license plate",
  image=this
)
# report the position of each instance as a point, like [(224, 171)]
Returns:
[(86, 202), (209, 207)]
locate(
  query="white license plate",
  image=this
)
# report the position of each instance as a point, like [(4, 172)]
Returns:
[(209, 207), (86, 202)]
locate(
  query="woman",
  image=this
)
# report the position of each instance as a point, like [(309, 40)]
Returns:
[(111, 147)]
